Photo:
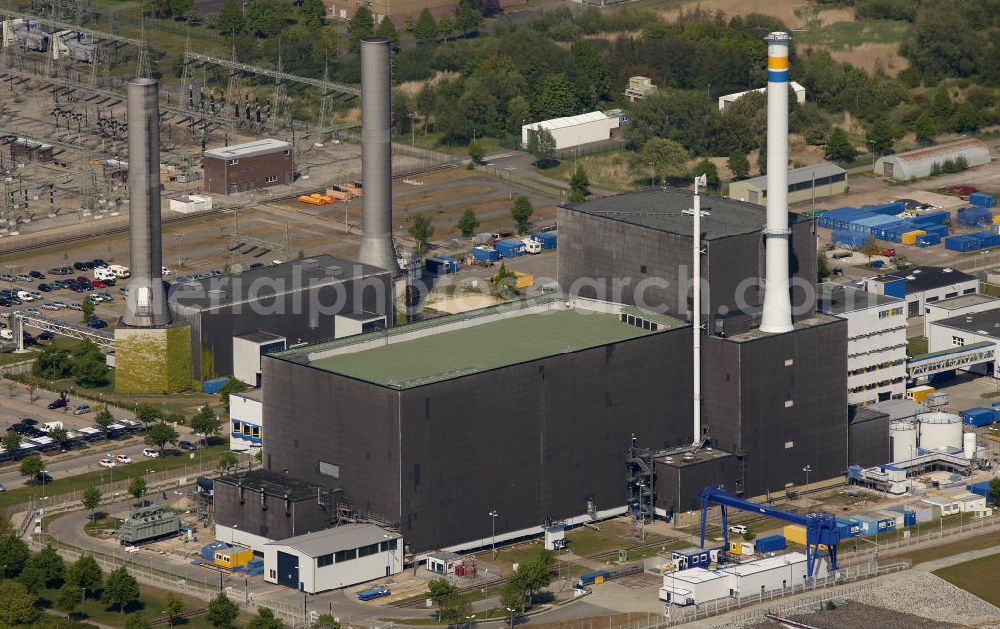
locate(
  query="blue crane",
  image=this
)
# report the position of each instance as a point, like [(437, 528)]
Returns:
[(821, 528)]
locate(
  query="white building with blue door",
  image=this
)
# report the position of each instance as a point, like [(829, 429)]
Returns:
[(246, 421), (334, 558)]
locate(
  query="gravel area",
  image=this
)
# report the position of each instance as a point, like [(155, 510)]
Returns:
[(854, 615), (928, 596)]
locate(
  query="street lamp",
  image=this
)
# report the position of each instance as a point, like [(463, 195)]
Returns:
[(388, 568), (493, 514), (470, 619), (510, 610), (807, 469)]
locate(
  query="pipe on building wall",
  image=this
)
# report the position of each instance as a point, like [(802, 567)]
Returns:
[(376, 156), (146, 303)]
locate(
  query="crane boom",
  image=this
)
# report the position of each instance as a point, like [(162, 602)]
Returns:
[(821, 528)]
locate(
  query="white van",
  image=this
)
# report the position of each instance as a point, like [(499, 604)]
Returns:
[(532, 246), (50, 426), (121, 272), (102, 273)]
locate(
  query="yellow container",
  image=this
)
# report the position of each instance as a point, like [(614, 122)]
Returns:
[(910, 238), (735, 548), (524, 280), (919, 394), (797, 535), (598, 580), (234, 557), (996, 218)]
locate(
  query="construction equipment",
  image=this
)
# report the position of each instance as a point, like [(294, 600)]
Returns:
[(821, 528)]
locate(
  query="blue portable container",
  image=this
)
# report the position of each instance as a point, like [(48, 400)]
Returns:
[(213, 386), (878, 264), (588, 578), (486, 254), (961, 243), (372, 594), (974, 217), (939, 217), (938, 230), (848, 238), (981, 488), (978, 416), (548, 239), (981, 199), (986, 239), (770, 544), (928, 240), (909, 517), (208, 550), (894, 208), (441, 265), (509, 248)]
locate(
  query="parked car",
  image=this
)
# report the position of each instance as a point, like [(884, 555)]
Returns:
[(82, 409), (60, 403), (97, 324), (46, 336), (841, 255), (7, 277), (82, 266), (2, 488), (45, 288), (61, 270), (150, 452), (185, 445), (43, 477), (75, 306), (49, 306), (739, 529), (888, 252), (836, 271), (24, 277), (28, 421), (38, 275), (164, 271), (123, 459), (107, 462)]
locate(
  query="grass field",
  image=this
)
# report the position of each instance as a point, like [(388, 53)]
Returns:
[(947, 550), (150, 608), (916, 345), (611, 171), (79, 482), (845, 35), (979, 577)]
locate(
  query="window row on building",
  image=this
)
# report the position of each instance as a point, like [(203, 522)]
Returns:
[(355, 553)]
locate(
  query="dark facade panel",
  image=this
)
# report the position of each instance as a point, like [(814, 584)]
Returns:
[(350, 426), (868, 441), (720, 385), (551, 438), (297, 319), (677, 487), (603, 258), (271, 518), (793, 406)]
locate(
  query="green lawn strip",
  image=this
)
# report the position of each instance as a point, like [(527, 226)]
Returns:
[(151, 608), (848, 35), (59, 486), (947, 550), (979, 577)]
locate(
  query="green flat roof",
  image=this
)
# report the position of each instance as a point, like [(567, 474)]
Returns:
[(451, 354)]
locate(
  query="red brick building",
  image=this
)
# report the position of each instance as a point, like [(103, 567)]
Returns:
[(242, 167)]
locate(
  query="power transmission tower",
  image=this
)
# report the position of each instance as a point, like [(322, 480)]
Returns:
[(238, 242), (277, 98)]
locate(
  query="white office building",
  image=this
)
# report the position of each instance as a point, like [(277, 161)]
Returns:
[(334, 558), (923, 286), (246, 421), (969, 329), (876, 341), (956, 306)]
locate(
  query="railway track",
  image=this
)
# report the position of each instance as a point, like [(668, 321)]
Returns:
[(163, 620)]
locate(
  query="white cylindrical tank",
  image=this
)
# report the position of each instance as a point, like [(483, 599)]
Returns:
[(903, 437), (969, 445), (940, 431)]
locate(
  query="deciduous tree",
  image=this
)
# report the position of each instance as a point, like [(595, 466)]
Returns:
[(172, 606), (668, 158), (264, 620), (86, 574), (222, 611), (468, 223), (90, 499), (14, 555), (579, 184), (205, 422), (137, 488), (17, 604), (521, 211), (32, 466), (422, 229), (739, 165), (159, 435), (121, 590)]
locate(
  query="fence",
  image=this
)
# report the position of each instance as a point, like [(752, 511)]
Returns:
[(114, 490), (918, 535), (863, 572)]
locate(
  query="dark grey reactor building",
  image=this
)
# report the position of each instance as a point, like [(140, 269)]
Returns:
[(526, 409), (773, 403), (304, 301), (636, 248)]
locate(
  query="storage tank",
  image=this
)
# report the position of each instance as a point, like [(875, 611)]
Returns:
[(940, 430), (969, 445), (903, 440)]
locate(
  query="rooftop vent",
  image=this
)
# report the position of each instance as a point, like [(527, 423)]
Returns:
[(334, 270), (915, 271), (309, 261), (911, 277), (217, 292), (945, 270)]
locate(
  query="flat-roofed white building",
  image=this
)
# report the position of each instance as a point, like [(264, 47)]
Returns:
[(334, 558), (573, 131)]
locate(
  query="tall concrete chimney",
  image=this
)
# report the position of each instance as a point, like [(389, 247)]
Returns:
[(146, 304), (777, 315), (376, 156)]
